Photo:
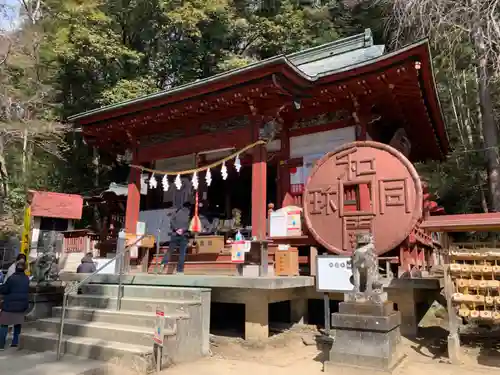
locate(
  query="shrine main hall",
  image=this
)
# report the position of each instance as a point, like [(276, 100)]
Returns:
[(243, 144)]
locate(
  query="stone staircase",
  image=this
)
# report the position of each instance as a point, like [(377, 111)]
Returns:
[(94, 329)]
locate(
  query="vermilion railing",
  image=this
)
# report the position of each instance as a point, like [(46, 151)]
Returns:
[(79, 241)]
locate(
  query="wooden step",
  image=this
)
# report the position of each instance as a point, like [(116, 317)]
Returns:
[(197, 268)]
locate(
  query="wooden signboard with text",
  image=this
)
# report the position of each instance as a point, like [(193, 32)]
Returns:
[(147, 241)]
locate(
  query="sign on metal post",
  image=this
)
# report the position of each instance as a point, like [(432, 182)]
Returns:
[(158, 336), (334, 273), (159, 324)]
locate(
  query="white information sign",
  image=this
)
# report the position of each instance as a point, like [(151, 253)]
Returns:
[(109, 269), (333, 273), (158, 335)]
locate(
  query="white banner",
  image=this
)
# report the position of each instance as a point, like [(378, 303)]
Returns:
[(309, 161)]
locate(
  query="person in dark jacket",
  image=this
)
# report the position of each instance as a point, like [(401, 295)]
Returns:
[(179, 238), (87, 265), (12, 268), (15, 304)]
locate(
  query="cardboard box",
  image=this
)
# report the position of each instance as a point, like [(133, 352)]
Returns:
[(210, 244), (286, 222), (286, 262)]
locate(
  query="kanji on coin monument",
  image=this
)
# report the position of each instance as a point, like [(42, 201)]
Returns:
[(362, 187)]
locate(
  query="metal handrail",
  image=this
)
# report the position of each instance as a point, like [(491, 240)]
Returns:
[(74, 288)]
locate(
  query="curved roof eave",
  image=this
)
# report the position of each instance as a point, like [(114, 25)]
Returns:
[(281, 61), (437, 116), (282, 64), (274, 61), (337, 47)]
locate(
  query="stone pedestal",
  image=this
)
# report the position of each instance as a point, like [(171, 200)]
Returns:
[(43, 298), (367, 337)]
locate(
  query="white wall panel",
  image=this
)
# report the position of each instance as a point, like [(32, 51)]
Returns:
[(322, 142)]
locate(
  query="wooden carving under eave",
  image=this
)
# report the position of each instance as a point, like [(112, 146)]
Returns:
[(162, 138), (232, 123), (401, 142), (321, 119)]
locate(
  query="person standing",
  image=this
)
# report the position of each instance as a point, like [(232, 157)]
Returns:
[(179, 237), (15, 304), (12, 269)]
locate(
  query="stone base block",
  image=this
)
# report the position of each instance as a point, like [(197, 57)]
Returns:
[(367, 308), (345, 369), (366, 334), (373, 297), (367, 323)]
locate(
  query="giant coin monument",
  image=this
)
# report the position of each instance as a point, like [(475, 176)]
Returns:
[(363, 200)]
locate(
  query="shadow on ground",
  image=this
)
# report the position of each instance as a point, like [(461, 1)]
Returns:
[(483, 343)]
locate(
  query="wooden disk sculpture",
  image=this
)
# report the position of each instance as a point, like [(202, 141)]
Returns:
[(359, 188)]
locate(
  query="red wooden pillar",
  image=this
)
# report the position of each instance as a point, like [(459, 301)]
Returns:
[(361, 135), (133, 198), (259, 192), (284, 198)]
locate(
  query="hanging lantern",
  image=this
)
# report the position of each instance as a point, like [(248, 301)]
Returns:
[(223, 171), (208, 177), (237, 163), (178, 182), (164, 183), (195, 225), (194, 181), (152, 182)]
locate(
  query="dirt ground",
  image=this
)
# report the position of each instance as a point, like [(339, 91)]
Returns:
[(297, 352)]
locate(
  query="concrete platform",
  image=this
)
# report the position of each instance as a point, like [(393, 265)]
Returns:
[(256, 293), (206, 281)]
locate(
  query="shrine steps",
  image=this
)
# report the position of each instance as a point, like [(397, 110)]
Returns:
[(87, 347), (131, 318), (140, 336), (94, 329)]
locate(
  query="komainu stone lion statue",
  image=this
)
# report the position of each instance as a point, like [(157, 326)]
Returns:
[(43, 268), (365, 266)]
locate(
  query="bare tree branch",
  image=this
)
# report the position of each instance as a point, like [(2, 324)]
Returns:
[(27, 126), (5, 47), (448, 23), (32, 8)]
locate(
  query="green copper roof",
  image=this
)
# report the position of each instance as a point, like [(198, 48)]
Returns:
[(310, 63)]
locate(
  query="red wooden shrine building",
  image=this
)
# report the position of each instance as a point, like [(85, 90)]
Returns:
[(304, 105)]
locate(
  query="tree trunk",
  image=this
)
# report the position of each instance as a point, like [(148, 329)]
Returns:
[(484, 201), (490, 132), (4, 176), (25, 153)]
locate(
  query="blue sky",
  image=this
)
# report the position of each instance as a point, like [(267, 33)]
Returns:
[(6, 20)]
